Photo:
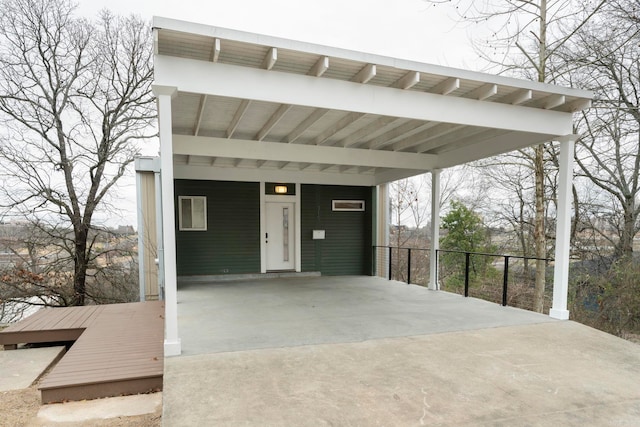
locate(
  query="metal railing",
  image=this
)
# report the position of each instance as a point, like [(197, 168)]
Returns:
[(503, 279)]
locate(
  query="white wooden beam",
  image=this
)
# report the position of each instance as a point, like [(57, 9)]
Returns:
[(518, 97), (365, 74), (215, 51), (270, 59), (259, 163), (282, 165), (485, 91), (356, 137), (457, 135), (341, 124), (275, 151), (273, 120), (203, 103), (389, 175), (320, 67), (426, 135), (405, 130), (244, 105), (306, 124), (575, 105), (303, 166), (285, 88), (446, 86), (552, 101), (407, 81)]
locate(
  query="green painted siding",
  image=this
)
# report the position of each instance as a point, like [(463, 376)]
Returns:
[(346, 249), (231, 243)]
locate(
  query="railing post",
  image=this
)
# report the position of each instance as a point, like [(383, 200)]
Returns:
[(467, 256), (408, 266), (390, 261), (505, 281)]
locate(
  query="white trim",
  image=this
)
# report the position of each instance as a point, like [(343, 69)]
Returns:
[(334, 208), (181, 227), (233, 81), (298, 228), (435, 230), (274, 151), (263, 229)]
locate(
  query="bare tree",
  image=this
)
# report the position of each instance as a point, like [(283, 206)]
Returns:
[(608, 152), (75, 99), (524, 39)]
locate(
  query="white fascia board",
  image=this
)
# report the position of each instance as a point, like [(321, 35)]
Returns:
[(276, 151), (275, 175), (365, 57), (249, 83), (396, 174), (498, 145)]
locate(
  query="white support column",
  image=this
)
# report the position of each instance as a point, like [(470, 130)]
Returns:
[(142, 231), (382, 230), (435, 229), (563, 230), (172, 345)]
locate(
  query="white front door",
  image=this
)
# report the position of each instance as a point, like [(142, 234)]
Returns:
[(280, 236)]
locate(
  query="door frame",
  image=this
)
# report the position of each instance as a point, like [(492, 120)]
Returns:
[(297, 226)]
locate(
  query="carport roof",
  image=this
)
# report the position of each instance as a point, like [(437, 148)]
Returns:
[(273, 107)]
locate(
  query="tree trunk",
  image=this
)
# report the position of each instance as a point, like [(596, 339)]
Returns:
[(80, 266), (625, 247), (539, 231)]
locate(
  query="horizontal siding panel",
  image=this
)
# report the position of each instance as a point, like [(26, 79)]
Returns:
[(231, 244)]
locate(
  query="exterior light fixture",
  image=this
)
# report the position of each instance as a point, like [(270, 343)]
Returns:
[(281, 189)]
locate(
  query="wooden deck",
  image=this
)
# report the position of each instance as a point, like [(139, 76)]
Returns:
[(118, 349)]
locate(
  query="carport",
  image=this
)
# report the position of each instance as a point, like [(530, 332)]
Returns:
[(237, 107)]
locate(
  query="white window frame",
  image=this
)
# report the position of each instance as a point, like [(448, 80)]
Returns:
[(334, 206), (192, 199)]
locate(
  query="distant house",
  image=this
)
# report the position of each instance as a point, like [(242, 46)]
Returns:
[(276, 154)]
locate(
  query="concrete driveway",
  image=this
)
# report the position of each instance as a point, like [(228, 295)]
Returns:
[(400, 355)]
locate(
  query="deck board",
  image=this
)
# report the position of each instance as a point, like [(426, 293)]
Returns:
[(118, 349)]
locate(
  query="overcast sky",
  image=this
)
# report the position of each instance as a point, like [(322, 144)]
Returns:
[(408, 29)]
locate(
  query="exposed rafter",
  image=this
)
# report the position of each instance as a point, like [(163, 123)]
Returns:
[(320, 67), (405, 130), (446, 86), (203, 103), (407, 81), (273, 120), (426, 135), (365, 74), (356, 137), (270, 59), (215, 51), (242, 109), (325, 137), (518, 97), (485, 91)]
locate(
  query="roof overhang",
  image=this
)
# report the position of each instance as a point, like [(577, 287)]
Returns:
[(253, 107)]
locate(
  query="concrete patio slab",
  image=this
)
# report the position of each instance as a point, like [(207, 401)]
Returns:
[(21, 368), (286, 312), (546, 374)]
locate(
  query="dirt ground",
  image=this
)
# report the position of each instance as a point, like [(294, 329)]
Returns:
[(20, 408)]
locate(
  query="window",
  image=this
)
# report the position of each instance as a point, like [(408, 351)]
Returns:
[(192, 215), (347, 205)]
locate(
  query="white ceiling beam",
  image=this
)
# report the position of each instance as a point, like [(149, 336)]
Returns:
[(431, 133), (356, 137), (518, 97), (405, 130), (389, 175), (155, 41), (188, 160), (286, 88), (237, 162), (213, 161), (446, 86), (203, 103), (323, 168), (275, 151), (259, 163), (407, 81), (344, 168), (552, 101), (303, 166), (215, 50), (273, 121), (365, 74), (270, 59), (221, 173), (282, 165), (463, 134), (341, 124), (575, 105), (242, 109), (320, 67), (306, 124), (485, 91)]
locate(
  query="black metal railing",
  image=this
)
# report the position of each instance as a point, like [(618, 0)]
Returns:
[(409, 265), (503, 279)]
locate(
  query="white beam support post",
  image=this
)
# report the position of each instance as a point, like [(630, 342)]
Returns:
[(172, 345), (435, 229), (382, 231), (563, 230)]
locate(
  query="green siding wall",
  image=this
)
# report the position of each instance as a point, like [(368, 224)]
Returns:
[(346, 249), (231, 243)]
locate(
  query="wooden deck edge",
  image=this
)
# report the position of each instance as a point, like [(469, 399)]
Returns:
[(10, 339), (100, 390)]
